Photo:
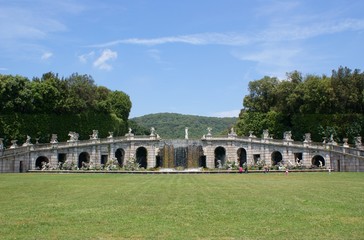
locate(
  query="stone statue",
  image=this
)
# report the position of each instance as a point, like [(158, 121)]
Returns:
[(251, 135), (157, 150), (287, 136), (307, 137), (54, 138), (358, 143), (94, 135), (73, 137), (265, 133), (129, 134), (13, 144), (209, 131), (110, 135), (232, 133), (345, 140), (27, 141), (298, 162), (186, 133), (219, 165), (152, 131), (1, 144), (332, 141)]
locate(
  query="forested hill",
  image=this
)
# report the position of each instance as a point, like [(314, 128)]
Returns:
[(172, 125)]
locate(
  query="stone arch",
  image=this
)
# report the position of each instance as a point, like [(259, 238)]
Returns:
[(241, 156), (276, 157), (220, 154), (142, 156), (317, 159), (39, 162), (83, 157), (120, 156)]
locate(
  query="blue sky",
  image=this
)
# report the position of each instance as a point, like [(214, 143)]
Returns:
[(192, 57)]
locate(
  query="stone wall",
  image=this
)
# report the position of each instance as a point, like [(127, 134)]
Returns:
[(338, 158)]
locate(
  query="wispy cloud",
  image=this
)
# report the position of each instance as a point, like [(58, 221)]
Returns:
[(154, 54), (102, 61), (84, 58), (276, 8), (302, 31), (272, 60), (3, 69), (278, 55), (233, 39), (276, 32), (46, 55), (31, 24)]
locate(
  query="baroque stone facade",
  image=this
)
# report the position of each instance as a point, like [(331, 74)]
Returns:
[(209, 151)]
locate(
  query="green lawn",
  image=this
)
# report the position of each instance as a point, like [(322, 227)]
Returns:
[(211, 206)]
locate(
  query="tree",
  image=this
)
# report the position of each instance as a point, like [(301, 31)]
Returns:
[(80, 93), (15, 94), (120, 104), (302, 104), (318, 95), (262, 95), (348, 89)]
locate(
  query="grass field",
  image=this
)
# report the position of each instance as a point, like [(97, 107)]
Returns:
[(219, 206)]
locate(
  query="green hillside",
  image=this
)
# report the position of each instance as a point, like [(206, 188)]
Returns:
[(172, 125)]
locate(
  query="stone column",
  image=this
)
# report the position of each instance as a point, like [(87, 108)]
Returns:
[(151, 158), (112, 151), (210, 156), (53, 158), (306, 158)]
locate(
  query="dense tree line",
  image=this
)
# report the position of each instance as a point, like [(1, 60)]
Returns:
[(49, 103), (321, 105)]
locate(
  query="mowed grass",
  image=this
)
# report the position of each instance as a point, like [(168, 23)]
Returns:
[(214, 206)]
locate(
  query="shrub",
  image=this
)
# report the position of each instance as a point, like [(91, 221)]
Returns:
[(131, 165)]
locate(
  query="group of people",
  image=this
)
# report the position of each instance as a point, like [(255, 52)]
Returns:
[(245, 170)]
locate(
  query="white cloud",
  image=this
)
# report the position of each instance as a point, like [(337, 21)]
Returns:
[(279, 31), (273, 59), (276, 8), (231, 113), (3, 69), (155, 54), (233, 39), (306, 30), (31, 25), (84, 58), (46, 55), (275, 55), (106, 55)]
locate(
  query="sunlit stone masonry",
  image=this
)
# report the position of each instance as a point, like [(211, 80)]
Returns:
[(210, 151)]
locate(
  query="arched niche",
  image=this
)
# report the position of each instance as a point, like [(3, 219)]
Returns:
[(40, 161), (241, 156), (120, 156), (318, 161), (142, 156), (276, 158), (220, 155), (84, 157)]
